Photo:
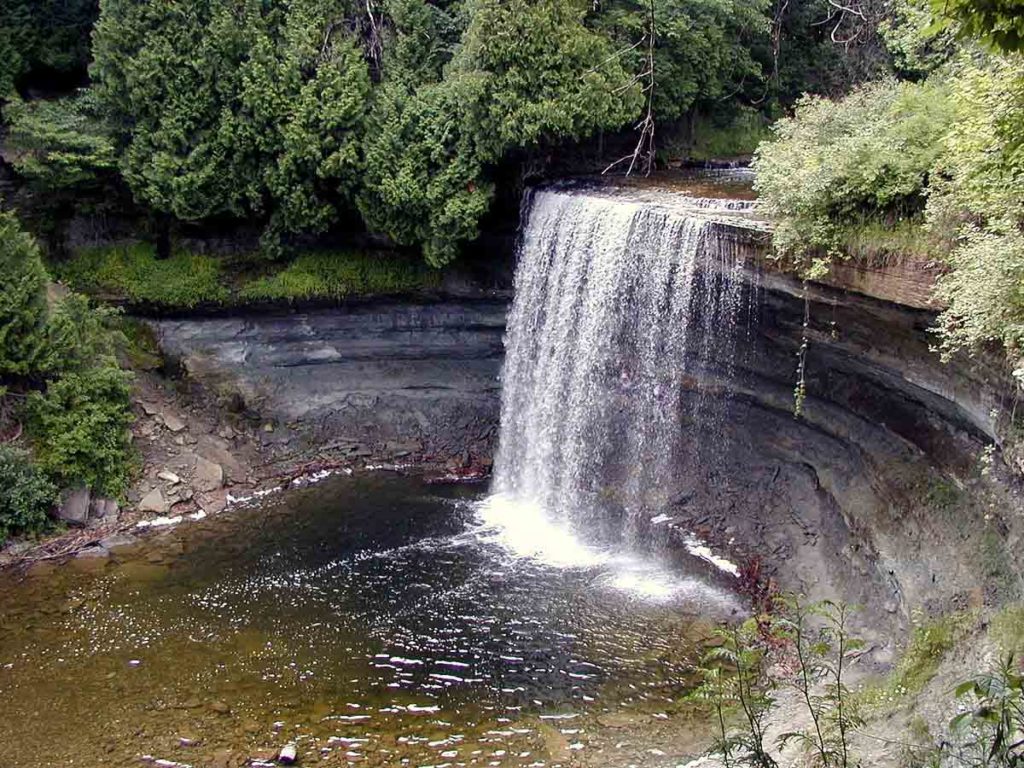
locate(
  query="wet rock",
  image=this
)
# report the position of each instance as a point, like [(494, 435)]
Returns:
[(94, 551), (168, 477), (209, 476), (289, 754), (154, 502), (74, 506), (118, 541), (555, 743)]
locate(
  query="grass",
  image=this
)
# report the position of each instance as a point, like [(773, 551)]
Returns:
[(185, 280), (335, 275), (1007, 629), (930, 641), (133, 272), (872, 239)]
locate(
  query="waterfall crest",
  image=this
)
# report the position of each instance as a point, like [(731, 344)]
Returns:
[(622, 308)]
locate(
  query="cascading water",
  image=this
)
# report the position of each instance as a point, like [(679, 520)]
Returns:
[(624, 310)]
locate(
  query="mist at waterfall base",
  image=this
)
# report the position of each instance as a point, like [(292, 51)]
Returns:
[(620, 307)]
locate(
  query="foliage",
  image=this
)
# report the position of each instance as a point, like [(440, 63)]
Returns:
[(990, 733), (998, 23), (248, 109), (59, 143), (23, 310), (79, 426), (336, 275), (733, 678), (43, 38), (80, 336), (133, 272), (704, 49), (978, 191), (836, 163), (822, 641), (740, 134), (528, 72), (26, 494)]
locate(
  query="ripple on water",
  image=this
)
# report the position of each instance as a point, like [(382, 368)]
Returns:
[(377, 620)]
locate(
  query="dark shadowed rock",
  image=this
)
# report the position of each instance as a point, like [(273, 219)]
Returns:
[(74, 506)]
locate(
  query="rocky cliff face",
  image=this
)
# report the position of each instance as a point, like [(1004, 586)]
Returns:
[(387, 378), (888, 490)]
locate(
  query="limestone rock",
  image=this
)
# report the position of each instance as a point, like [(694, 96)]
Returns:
[(74, 506), (94, 551), (103, 509), (209, 476), (154, 502), (168, 477), (172, 422)]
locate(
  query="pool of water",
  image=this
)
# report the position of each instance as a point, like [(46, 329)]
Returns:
[(372, 619)]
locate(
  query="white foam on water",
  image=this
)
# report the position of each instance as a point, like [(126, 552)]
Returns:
[(523, 530)]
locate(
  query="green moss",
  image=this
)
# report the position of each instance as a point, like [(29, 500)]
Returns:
[(133, 272), (1007, 629), (930, 641), (340, 274)]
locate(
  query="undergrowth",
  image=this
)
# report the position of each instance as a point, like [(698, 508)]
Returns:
[(334, 275), (185, 280), (930, 641), (133, 272)]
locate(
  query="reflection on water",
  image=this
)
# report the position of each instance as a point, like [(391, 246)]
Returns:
[(369, 619)]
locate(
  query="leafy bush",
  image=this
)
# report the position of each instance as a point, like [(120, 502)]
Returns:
[(134, 272), (837, 164), (22, 300), (978, 190), (336, 275), (80, 431), (80, 336), (26, 495)]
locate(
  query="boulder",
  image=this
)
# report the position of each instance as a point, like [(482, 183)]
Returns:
[(168, 477), (103, 509), (154, 502), (172, 422), (74, 506), (209, 476)]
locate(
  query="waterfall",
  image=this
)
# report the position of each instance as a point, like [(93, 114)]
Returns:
[(624, 308)]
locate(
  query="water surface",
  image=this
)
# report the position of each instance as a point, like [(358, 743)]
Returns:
[(373, 619)]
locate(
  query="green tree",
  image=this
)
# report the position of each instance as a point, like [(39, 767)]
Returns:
[(245, 110), (528, 73), (23, 309)]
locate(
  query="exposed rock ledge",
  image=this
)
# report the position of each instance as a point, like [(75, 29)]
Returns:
[(391, 378)]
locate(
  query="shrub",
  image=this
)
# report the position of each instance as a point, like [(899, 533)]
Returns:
[(26, 494), (837, 164), (22, 300), (80, 429), (133, 272)]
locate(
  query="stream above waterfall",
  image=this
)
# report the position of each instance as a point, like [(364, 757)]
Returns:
[(370, 619)]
